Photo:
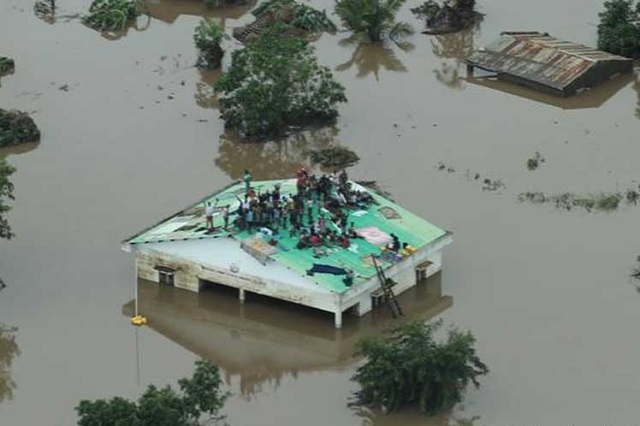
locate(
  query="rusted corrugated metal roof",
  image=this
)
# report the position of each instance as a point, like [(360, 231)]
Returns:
[(540, 58)]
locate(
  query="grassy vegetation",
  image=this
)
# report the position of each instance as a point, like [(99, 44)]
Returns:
[(567, 201)]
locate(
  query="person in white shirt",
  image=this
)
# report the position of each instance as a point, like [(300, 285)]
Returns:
[(208, 212)]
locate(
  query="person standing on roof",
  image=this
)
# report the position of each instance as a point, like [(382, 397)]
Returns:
[(247, 178), (208, 212)]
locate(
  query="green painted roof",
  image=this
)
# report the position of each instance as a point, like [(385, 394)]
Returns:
[(190, 224)]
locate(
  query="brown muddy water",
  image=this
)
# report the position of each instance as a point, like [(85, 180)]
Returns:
[(135, 135)]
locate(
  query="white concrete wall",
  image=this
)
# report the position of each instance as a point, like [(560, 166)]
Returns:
[(403, 272), (188, 275)]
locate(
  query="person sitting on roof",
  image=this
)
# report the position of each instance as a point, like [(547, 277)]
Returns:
[(394, 245), (344, 241), (348, 279), (315, 240)]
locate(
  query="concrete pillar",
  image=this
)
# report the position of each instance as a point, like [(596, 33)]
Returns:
[(241, 295), (469, 70), (364, 305), (338, 319)]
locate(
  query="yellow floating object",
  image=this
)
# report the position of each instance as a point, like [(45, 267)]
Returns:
[(138, 320)]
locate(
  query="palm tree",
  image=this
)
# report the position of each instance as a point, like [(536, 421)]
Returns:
[(373, 20)]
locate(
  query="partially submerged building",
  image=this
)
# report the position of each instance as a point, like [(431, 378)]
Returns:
[(259, 342), (181, 251), (548, 64)]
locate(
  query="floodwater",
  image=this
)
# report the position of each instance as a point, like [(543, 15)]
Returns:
[(131, 133)]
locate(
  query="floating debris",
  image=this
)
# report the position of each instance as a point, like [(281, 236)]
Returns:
[(335, 158), (487, 183), (568, 201), (635, 274), (535, 162)]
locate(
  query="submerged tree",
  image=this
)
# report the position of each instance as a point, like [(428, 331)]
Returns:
[(619, 28), (208, 36), (111, 15), (200, 395), (17, 127), (373, 20), (6, 195), (8, 351), (274, 82), (6, 65), (333, 158), (410, 366)]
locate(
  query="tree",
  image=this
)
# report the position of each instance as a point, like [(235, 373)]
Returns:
[(6, 194), (17, 127), (6, 65), (208, 36), (8, 351), (619, 28), (111, 15), (200, 395), (410, 366), (274, 82), (373, 20)]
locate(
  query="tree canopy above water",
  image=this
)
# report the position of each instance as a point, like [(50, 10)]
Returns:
[(411, 366), (275, 82), (373, 20), (619, 28), (200, 395)]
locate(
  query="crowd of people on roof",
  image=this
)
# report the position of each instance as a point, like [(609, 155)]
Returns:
[(317, 213)]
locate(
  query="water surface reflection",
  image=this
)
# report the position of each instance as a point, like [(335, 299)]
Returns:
[(271, 159), (452, 48), (264, 340), (371, 58)]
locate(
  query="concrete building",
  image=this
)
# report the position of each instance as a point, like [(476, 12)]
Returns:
[(545, 63), (180, 251)]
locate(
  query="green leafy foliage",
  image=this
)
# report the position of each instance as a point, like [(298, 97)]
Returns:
[(410, 366), (208, 36), (334, 158), (274, 82), (298, 15), (198, 396), (619, 28), (17, 127), (6, 65), (373, 20), (6, 195), (8, 351), (111, 15)]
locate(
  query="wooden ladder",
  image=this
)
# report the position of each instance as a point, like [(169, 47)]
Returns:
[(386, 284)]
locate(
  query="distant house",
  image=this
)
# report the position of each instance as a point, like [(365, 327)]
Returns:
[(545, 63), (180, 251)]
